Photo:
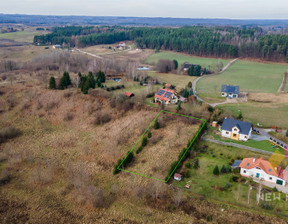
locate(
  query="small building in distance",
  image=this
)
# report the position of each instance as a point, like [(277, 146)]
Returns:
[(236, 130), (263, 170), (166, 96), (130, 95), (57, 46), (230, 91), (122, 44), (177, 177), (186, 66)]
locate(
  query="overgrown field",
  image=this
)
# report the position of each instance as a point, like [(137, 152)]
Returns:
[(251, 76), (181, 58), (164, 145), (58, 169)]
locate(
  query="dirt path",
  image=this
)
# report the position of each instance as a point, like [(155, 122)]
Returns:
[(99, 56), (194, 83)]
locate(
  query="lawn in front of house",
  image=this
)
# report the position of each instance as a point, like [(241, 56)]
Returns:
[(221, 187)]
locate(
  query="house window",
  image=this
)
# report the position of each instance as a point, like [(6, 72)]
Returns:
[(245, 137), (244, 171), (227, 133), (234, 135), (235, 129), (270, 178)]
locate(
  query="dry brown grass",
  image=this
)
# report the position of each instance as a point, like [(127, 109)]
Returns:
[(269, 97)]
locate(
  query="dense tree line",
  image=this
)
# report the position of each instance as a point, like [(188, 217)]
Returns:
[(197, 40)]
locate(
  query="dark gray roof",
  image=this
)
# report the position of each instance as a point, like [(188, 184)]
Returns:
[(187, 65), (244, 127), (236, 163), (230, 89)]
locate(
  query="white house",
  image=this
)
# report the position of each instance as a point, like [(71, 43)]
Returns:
[(236, 130), (263, 170), (166, 96), (177, 176), (122, 44)]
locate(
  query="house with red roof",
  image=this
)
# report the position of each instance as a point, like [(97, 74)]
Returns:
[(122, 44), (263, 170), (166, 96)]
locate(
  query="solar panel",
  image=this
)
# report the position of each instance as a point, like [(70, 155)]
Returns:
[(160, 92), (167, 94)]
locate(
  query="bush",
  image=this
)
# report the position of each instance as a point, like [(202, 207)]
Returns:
[(144, 142), (223, 169), (266, 206), (156, 124), (9, 133), (101, 118), (150, 95), (275, 189), (139, 149), (196, 164), (68, 117), (234, 179), (216, 170), (149, 134), (227, 186)]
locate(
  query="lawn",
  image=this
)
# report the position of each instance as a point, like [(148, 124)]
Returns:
[(21, 36), (180, 81), (251, 76), (181, 58), (264, 113), (205, 183)]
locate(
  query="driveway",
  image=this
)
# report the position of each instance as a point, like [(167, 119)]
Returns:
[(259, 137)]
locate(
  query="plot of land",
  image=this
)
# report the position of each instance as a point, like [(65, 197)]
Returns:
[(180, 81), (181, 58), (164, 146), (21, 36), (220, 187), (251, 76)]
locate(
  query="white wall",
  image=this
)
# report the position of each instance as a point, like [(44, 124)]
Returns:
[(265, 176)]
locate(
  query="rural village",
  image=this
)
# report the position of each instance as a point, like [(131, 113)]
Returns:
[(95, 127)]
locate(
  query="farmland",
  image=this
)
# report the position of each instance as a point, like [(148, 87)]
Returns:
[(181, 58), (251, 76), (21, 36)]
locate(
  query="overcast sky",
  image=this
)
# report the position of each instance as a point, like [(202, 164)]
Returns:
[(236, 9)]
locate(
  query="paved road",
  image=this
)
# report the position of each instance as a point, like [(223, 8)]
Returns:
[(197, 79), (237, 146)]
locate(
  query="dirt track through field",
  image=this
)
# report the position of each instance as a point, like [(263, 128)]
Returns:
[(283, 84)]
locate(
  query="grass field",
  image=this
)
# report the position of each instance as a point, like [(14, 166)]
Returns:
[(181, 58), (204, 182), (251, 76), (21, 36), (266, 114), (180, 81)]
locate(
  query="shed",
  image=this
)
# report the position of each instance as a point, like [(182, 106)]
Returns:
[(129, 94), (214, 124), (177, 177)]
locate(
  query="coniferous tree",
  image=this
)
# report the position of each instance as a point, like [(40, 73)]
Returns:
[(65, 81), (175, 64), (216, 170), (156, 124), (52, 83)]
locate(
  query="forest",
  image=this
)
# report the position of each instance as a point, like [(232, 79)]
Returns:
[(225, 42)]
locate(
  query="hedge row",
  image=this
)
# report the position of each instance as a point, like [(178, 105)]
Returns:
[(128, 159), (182, 156)]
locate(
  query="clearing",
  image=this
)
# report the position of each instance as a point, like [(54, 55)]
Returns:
[(22, 36)]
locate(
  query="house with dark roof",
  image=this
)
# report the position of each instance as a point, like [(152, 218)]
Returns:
[(263, 170), (236, 130), (230, 91), (166, 96)]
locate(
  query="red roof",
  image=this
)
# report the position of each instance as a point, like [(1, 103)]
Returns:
[(129, 94), (163, 93), (167, 85), (122, 42), (266, 166), (177, 175)]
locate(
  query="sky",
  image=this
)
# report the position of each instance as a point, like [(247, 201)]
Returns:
[(233, 9)]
